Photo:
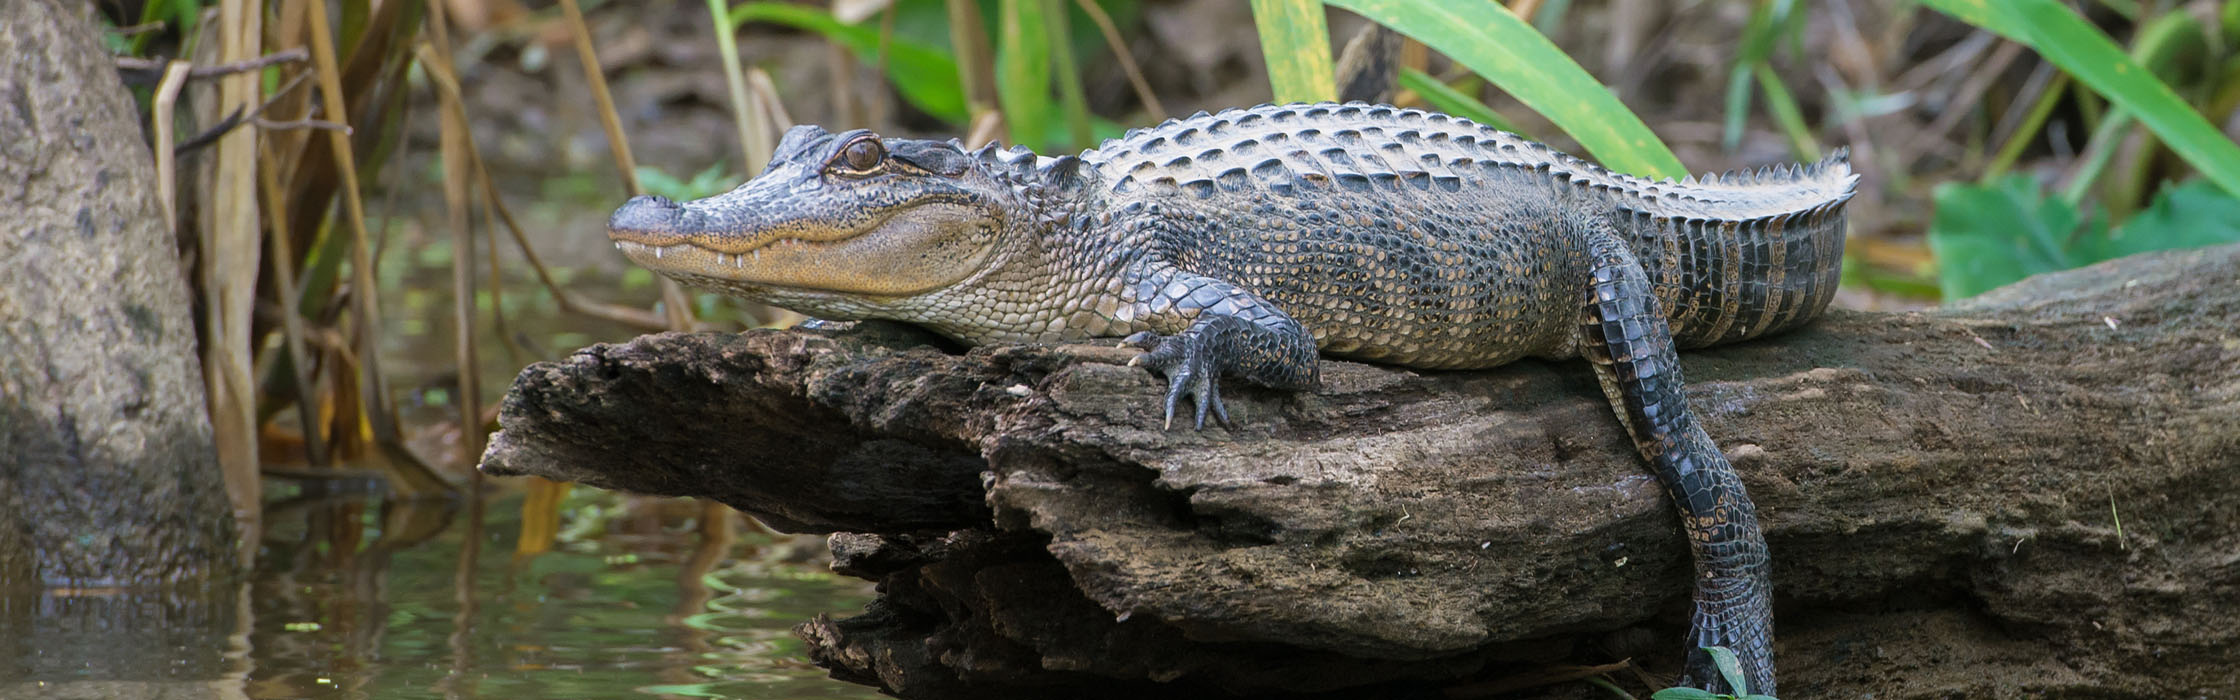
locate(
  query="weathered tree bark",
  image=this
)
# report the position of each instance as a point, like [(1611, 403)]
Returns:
[(2037, 492), (107, 474)]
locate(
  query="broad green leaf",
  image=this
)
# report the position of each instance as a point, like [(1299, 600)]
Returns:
[(1486, 37), (1683, 694), (1447, 99), (1023, 71), (1729, 668), (2064, 38), (926, 77), (2191, 215), (1985, 236), (1295, 37)]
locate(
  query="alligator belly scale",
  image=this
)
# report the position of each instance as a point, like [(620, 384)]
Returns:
[(1242, 245)]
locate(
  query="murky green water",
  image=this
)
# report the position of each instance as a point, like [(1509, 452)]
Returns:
[(354, 598)]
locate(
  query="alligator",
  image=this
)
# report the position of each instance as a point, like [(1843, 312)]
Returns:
[(1241, 246)]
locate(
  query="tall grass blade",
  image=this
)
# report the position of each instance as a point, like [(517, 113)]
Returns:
[(975, 65), (456, 141), (291, 322), (673, 302), (1073, 100), (2066, 39), (743, 115), (1484, 36), (410, 480), (1783, 106), (230, 232), (1023, 71), (1295, 37), (1445, 98)]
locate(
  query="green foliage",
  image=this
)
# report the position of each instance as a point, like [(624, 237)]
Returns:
[(2067, 40), (1035, 49), (1486, 37), (1023, 71), (926, 75), (1296, 40), (1771, 20), (1730, 668), (180, 14), (1986, 236), (1446, 98), (706, 183)]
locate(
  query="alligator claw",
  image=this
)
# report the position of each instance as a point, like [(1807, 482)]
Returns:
[(1189, 371)]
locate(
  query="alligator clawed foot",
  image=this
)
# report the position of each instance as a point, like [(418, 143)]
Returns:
[(1188, 369)]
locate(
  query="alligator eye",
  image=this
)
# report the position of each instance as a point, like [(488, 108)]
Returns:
[(863, 155)]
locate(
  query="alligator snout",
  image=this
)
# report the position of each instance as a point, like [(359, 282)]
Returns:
[(645, 215)]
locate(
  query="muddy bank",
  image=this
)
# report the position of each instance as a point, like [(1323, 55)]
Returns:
[(2030, 493)]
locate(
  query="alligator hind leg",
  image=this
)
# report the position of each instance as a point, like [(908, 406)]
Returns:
[(1624, 333)]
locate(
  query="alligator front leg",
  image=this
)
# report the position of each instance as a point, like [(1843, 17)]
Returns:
[(1223, 331), (1624, 333)]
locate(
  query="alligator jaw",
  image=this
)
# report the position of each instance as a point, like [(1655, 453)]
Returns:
[(731, 243)]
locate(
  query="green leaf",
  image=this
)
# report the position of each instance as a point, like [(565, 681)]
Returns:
[(2191, 215), (926, 76), (1683, 694), (1729, 667), (1023, 71), (1447, 99), (2061, 36), (1295, 37), (1486, 37), (1985, 236), (706, 183)]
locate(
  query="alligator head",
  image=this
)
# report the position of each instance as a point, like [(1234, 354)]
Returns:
[(839, 225)]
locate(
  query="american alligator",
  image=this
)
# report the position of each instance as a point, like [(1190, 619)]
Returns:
[(1238, 245)]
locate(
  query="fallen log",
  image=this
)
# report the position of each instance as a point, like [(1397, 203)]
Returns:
[(2036, 492)]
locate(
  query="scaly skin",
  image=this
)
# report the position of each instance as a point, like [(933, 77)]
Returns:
[(1240, 245)]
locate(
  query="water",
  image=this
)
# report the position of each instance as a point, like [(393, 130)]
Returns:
[(356, 598)]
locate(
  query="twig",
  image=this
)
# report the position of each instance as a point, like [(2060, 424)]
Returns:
[(1127, 59), (135, 68), (304, 123), (236, 119), (139, 29)]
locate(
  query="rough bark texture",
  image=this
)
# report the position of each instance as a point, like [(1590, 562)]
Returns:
[(1942, 493), (107, 475)]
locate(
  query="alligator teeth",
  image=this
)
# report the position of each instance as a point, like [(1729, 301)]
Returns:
[(657, 252), (758, 255)]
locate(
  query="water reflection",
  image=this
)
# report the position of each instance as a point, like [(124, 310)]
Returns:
[(354, 597)]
